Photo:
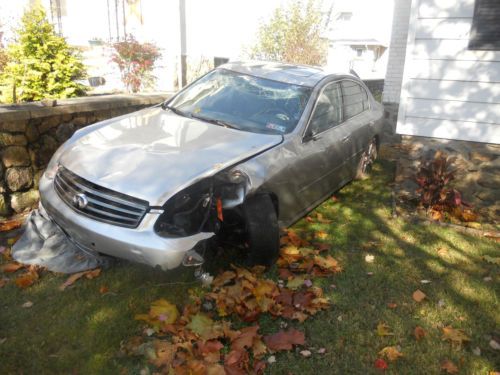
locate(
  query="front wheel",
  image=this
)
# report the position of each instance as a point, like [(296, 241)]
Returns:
[(262, 230), (367, 159)]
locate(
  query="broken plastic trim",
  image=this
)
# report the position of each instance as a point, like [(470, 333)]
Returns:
[(193, 259), (199, 208)]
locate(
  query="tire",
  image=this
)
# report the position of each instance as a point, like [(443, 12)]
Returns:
[(262, 230), (367, 159)]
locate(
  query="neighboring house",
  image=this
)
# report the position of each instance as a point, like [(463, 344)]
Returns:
[(202, 34), (358, 37), (443, 88)]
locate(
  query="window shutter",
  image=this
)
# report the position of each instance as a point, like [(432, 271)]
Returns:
[(485, 32)]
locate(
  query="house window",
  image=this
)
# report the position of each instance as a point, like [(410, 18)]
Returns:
[(220, 61), (485, 31), (344, 16)]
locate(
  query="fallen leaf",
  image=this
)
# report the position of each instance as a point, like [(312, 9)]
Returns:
[(419, 333), (284, 340), (161, 313), (204, 327), (369, 258), (380, 364), (476, 351), (103, 289), (392, 305), (271, 359), (492, 260), (442, 251), (27, 304), (418, 295), (391, 353), (6, 226), (425, 281), (76, 276), (2, 340), (321, 351), (456, 336), (296, 282), (384, 330), (449, 367), (322, 235), (11, 267), (27, 279), (245, 338), (3, 282), (494, 344), (305, 353)]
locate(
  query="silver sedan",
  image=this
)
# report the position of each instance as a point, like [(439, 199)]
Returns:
[(245, 149)]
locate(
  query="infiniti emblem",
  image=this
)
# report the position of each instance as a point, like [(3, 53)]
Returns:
[(80, 201)]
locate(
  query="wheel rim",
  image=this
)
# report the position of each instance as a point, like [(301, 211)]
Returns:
[(369, 157)]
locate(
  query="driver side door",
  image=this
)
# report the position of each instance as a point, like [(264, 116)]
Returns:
[(322, 163)]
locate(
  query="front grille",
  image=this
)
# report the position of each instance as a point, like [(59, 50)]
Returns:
[(102, 204)]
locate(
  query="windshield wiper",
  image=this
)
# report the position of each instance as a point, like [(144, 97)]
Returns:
[(215, 121), (175, 110)]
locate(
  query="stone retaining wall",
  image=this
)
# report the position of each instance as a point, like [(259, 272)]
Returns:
[(477, 166), (31, 133)]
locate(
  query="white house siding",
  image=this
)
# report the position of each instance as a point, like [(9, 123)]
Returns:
[(397, 51), (447, 91)]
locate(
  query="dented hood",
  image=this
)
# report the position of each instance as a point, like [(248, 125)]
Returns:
[(152, 154)]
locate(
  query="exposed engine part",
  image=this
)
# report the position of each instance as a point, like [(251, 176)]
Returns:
[(205, 278)]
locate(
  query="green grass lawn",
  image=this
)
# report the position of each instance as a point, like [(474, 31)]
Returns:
[(79, 330)]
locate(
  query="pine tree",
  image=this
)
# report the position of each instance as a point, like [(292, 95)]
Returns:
[(41, 64)]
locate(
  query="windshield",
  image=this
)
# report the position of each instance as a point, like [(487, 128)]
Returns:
[(243, 102)]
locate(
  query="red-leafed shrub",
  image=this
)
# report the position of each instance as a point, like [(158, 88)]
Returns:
[(436, 194), (136, 62)]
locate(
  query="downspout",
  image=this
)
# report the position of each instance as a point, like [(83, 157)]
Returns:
[(181, 74)]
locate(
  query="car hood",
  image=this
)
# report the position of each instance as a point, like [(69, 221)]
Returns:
[(152, 154)]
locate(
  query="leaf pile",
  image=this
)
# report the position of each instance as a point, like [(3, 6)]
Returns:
[(245, 293), (197, 340), (297, 256), (21, 280), (194, 342)]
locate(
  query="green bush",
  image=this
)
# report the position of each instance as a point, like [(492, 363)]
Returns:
[(41, 64)]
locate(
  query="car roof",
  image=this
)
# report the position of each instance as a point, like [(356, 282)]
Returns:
[(303, 75)]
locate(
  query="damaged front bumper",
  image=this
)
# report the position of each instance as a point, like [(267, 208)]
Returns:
[(141, 244)]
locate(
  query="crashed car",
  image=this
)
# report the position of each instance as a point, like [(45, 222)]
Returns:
[(246, 149)]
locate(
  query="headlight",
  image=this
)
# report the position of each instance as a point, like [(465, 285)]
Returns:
[(187, 212)]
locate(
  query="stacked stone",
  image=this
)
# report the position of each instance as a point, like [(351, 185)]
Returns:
[(30, 134)]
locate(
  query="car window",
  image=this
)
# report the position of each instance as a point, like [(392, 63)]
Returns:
[(248, 103), (328, 110), (355, 99)]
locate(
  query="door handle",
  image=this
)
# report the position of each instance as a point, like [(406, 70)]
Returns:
[(346, 138)]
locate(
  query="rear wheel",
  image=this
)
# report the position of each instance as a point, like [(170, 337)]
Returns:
[(367, 159), (262, 230)]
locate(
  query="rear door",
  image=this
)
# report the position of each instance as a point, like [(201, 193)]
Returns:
[(357, 122)]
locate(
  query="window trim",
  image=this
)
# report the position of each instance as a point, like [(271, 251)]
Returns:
[(305, 136)]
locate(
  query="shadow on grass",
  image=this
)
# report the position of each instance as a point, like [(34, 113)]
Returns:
[(79, 330)]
